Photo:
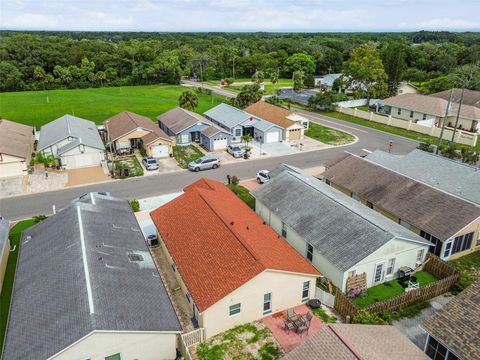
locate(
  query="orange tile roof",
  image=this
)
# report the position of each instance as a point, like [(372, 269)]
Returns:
[(272, 113), (218, 243)]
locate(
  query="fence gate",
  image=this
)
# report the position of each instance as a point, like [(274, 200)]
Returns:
[(190, 339)]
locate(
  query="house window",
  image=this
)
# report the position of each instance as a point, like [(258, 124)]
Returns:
[(411, 114), (284, 230), (234, 309), (399, 111), (448, 248), (437, 351), (390, 266), (309, 252), (351, 274), (114, 357), (461, 243), (238, 132), (267, 303), (305, 290), (405, 224), (424, 117), (420, 254)]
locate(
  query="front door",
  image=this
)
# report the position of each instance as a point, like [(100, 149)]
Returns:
[(379, 273), (248, 131), (195, 136)]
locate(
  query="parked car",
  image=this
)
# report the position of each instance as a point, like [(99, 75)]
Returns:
[(263, 176), (150, 163), (204, 163), (235, 151)]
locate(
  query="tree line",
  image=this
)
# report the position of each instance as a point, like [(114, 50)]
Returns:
[(56, 60)]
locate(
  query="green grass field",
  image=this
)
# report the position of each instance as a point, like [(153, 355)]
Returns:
[(327, 135), (6, 293), (236, 87), (36, 108)]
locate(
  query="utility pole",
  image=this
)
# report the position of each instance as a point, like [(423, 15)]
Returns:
[(458, 113), (443, 124)]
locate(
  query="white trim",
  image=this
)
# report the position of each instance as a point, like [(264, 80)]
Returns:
[(85, 262)]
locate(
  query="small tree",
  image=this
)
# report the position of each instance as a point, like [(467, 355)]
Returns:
[(310, 81), (229, 81), (247, 139), (258, 77), (450, 151), (188, 100), (234, 180), (38, 218), (135, 205), (298, 80), (274, 80), (249, 95)]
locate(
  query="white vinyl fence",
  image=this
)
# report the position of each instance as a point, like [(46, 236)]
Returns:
[(325, 297)]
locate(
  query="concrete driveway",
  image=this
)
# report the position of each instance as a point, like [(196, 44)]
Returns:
[(12, 185), (88, 175)]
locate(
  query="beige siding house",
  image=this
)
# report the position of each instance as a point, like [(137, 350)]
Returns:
[(16, 147), (233, 269)]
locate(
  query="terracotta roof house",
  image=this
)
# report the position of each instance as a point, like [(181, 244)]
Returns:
[(16, 147), (4, 247), (451, 223), (86, 287), (417, 107), (231, 266), (470, 97), (354, 342), (453, 330), (336, 234), (73, 141), (293, 125), (128, 130), (187, 127)]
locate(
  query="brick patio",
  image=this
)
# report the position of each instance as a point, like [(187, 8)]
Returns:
[(290, 340)]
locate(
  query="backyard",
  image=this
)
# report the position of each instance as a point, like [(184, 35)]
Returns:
[(36, 108), (186, 154), (249, 341), (469, 266), (390, 289), (327, 135), (130, 163), (244, 194), (6, 293)]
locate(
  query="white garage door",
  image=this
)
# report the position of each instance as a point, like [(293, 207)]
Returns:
[(272, 137), (80, 160), (160, 151), (219, 144)]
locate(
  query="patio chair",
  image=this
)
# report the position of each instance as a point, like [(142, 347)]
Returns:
[(308, 318), (289, 326), (291, 315), (301, 329)]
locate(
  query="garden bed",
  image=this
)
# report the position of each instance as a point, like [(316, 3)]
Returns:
[(244, 194), (131, 163), (186, 154), (244, 342)]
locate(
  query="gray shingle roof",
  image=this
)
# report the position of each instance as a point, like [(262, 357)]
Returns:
[(85, 131), (178, 119), (452, 176), (340, 228), (227, 115), (50, 306)]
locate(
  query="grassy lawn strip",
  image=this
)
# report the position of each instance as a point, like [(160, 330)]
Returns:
[(244, 194), (390, 289), (186, 154), (36, 108), (233, 344), (322, 314), (132, 164), (327, 135), (469, 266), (6, 293)]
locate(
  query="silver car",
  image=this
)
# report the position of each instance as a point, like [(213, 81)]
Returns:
[(235, 151), (204, 163), (150, 163)]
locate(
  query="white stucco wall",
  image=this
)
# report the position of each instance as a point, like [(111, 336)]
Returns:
[(130, 345), (12, 166), (286, 289)]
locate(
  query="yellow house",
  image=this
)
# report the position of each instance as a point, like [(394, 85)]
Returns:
[(128, 130), (4, 249), (232, 268)]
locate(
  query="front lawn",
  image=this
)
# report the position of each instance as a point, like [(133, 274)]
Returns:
[(131, 163), (6, 293), (244, 194), (244, 342), (390, 289), (469, 266), (327, 135), (186, 154)]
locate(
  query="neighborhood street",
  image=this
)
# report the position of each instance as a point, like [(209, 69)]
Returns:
[(25, 206)]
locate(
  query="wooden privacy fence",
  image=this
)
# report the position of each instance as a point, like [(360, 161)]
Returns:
[(446, 273)]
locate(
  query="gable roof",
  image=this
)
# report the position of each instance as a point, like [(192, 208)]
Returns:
[(81, 253), (470, 97), (272, 113), (126, 122), (457, 324), (355, 341), (340, 228), (213, 130), (227, 115), (452, 176), (178, 119), (423, 206), (83, 131), (218, 243), (16, 139), (431, 105)]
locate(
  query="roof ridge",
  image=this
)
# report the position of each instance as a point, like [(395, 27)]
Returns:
[(344, 341)]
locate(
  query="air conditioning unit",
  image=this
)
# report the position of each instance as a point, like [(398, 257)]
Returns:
[(152, 240), (418, 263)]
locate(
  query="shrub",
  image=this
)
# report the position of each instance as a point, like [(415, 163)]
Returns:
[(234, 181), (365, 318), (269, 351), (143, 152), (425, 147), (38, 218), (135, 205), (229, 81), (205, 352)]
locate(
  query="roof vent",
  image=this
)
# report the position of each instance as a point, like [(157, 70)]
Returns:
[(231, 223), (135, 257), (264, 223)]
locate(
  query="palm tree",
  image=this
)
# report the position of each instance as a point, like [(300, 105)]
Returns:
[(274, 80), (188, 100)]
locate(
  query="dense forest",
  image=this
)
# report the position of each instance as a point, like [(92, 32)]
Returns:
[(51, 60)]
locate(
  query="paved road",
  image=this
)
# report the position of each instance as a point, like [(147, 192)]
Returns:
[(215, 89), (25, 206)]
